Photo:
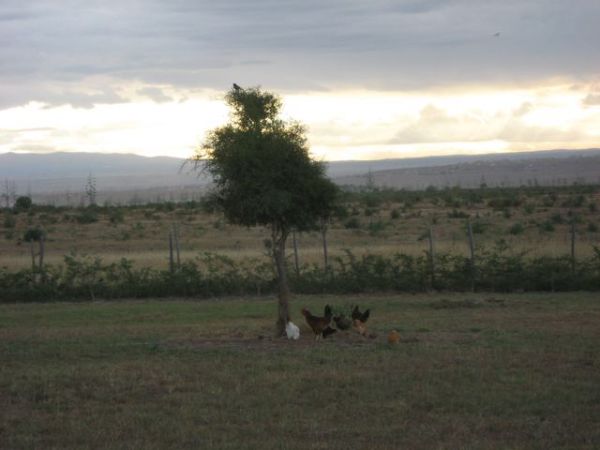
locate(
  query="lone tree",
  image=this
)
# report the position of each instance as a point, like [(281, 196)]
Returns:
[(263, 175)]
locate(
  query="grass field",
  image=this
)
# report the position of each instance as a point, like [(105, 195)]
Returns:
[(471, 371), (534, 220)]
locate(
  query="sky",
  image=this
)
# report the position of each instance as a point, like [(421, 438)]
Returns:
[(370, 79)]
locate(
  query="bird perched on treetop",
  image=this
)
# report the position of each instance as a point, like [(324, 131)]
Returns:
[(237, 87)]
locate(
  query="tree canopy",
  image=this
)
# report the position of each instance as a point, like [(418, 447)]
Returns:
[(261, 166), (263, 174)]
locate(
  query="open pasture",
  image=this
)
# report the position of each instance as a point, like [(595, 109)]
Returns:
[(470, 371), (535, 220)]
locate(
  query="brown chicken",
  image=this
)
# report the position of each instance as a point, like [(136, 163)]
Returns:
[(361, 328), (319, 325), (393, 337)]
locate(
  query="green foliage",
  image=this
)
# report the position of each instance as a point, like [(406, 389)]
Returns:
[(574, 201), (9, 221), (549, 200), (116, 216), (34, 235), (529, 208), (516, 228), (458, 214), (479, 227), (87, 216), (352, 223), (376, 227), (82, 277), (261, 167), (23, 203), (504, 202)]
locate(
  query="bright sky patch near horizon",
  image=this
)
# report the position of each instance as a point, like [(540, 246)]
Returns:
[(371, 80)]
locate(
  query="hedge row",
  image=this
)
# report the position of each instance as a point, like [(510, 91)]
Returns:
[(85, 278)]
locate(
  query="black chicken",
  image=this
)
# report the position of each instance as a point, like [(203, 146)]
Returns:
[(357, 315)]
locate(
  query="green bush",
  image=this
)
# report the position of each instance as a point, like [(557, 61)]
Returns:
[(352, 223), (9, 221), (516, 228), (116, 216), (87, 216), (23, 203), (82, 277)]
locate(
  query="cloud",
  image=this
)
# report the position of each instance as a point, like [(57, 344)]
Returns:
[(592, 100), (437, 125), (155, 94), (289, 46)]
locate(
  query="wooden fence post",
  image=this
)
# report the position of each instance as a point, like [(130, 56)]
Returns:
[(572, 245), (472, 253), (33, 265), (176, 239), (171, 262), (324, 237), (431, 256), (41, 255)]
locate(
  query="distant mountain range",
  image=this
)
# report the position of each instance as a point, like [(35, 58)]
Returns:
[(47, 177)]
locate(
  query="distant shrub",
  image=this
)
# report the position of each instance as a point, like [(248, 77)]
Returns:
[(23, 203), (516, 228), (116, 216), (547, 226), (376, 227), (574, 201), (549, 200), (478, 227), (529, 208), (457, 214), (87, 216), (370, 211), (352, 223), (504, 202), (34, 235), (394, 214), (9, 221)]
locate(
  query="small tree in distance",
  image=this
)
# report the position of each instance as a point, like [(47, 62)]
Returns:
[(263, 175)]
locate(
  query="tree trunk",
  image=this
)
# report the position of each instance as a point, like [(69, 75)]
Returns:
[(279, 237)]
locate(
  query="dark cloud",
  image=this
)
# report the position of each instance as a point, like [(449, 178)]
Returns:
[(290, 46)]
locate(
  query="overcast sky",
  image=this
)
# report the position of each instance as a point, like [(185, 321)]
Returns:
[(370, 78)]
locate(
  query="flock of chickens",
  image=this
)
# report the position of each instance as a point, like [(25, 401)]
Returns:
[(328, 324)]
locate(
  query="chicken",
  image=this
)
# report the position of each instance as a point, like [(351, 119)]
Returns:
[(319, 325), (327, 313), (393, 337), (357, 315), (360, 327), (342, 322), (292, 331)]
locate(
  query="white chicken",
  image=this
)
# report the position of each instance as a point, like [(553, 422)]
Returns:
[(292, 331)]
